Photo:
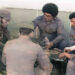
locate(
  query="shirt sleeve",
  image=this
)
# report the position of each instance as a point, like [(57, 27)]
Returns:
[(36, 32), (60, 33), (4, 53), (36, 27), (4, 57), (35, 22), (1, 45), (71, 48)]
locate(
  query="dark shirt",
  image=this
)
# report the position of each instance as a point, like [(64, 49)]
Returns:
[(4, 34), (53, 29), (72, 34), (72, 39)]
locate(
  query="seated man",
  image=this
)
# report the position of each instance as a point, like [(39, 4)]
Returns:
[(71, 63), (50, 26), (4, 21), (72, 32), (4, 34), (21, 54), (71, 50)]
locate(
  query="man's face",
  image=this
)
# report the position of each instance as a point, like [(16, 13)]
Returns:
[(72, 22), (48, 17), (4, 23)]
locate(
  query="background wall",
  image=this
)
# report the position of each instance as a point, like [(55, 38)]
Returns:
[(24, 18)]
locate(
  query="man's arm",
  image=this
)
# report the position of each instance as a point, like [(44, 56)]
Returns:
[(44, 62), (36, 32), (72, 48), (1, 45), (36, 27), (60, 33), (67, 55), (4, 57), (4, 53), (7, 34)]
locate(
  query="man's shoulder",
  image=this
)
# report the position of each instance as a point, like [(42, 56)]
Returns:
[(57, 19), (11, 41), (37, 46), (59, 22)]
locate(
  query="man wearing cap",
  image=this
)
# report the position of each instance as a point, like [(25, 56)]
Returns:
[(21, 54)]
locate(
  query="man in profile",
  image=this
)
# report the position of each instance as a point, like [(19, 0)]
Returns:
[(21, 54), (70, 48), (5, 18)]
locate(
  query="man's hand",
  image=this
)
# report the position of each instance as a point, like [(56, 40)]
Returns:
[(67, 49), (67, 55), (62, 55), (49, 45)]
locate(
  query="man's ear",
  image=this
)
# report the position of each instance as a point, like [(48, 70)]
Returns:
[(31, 34)]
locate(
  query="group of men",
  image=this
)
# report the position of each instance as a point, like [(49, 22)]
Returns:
[(51, 27), (20, 54)]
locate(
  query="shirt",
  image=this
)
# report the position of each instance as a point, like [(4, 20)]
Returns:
[(21, 55), (53, 29)]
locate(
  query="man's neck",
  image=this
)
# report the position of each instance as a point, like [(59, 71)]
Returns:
[(24, 37)]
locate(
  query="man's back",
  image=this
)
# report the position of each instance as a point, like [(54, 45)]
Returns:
[(21, 55)]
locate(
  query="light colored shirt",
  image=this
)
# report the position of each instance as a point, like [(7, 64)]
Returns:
[(21, 54)]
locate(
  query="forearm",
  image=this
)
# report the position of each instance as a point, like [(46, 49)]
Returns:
[(3, 59), (36, 32), (58, 39), (45, 65), (7, 35), (69, 56), (1, 45), (72, 48)]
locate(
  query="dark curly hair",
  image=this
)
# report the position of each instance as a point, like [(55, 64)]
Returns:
[(72, 15), (51, 9)]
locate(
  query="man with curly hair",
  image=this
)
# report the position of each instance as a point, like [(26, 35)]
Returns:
[(49, 26)]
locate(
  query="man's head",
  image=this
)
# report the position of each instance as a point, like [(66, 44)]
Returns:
[(4, 18), (72, 19), (50, 11), (25, 31)]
